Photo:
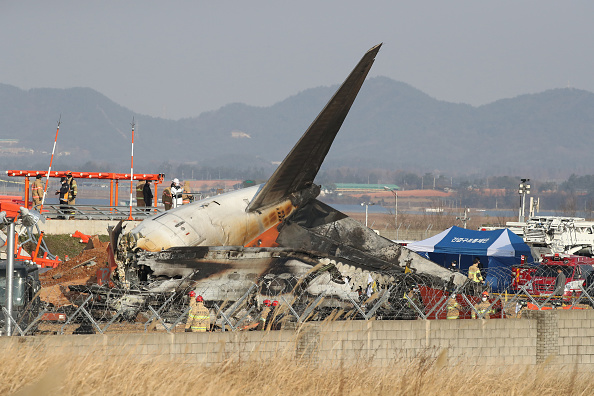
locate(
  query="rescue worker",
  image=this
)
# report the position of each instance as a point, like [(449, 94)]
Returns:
[(474, 274), (187, 197), (199, 316), (202, 318), (166, 198), (140, 193), (264, 315), (483, 307), (271, 314), (147, 195), (453, 308), (72, 193), (560, 282), (454, 266), (37, 191), (63, 191), (176, 193), (192, 312)]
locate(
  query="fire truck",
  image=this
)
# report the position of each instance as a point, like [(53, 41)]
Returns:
[(540, 280)]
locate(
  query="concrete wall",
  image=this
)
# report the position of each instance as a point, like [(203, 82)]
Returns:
[(576, 337), (559, 338), (485, 342)]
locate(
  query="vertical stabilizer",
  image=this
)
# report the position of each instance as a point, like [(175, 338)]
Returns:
[(299, 169)]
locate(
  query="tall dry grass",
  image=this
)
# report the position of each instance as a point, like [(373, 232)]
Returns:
[(27, 371)]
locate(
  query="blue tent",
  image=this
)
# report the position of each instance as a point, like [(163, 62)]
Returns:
[(498, 251)]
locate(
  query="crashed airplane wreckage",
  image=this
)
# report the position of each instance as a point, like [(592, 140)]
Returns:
[(277, 231)]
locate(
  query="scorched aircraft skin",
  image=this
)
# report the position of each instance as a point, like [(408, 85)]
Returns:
[(278, 229)]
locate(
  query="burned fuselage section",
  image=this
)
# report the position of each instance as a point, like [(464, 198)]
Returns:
[(313, 236)]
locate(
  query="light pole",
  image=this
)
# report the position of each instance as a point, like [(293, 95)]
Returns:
[(464, 217), (395, 204), (367, 204), (523, 190)]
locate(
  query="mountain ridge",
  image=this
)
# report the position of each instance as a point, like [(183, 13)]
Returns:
[(392, 125)]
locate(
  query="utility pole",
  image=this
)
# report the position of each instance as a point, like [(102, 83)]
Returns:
[(464, 217), (395, 204), (367, 204), (523, 190)]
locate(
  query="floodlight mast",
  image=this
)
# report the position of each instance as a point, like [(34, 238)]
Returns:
[(523, 190)]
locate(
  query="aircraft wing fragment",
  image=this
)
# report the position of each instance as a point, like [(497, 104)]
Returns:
[(300, 167)]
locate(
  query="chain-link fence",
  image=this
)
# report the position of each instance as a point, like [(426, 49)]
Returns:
[(237, 305)]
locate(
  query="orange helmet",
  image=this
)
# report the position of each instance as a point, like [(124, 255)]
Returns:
[(485, 294), (267, 303), (199, 299), (274, 303), (192, 293)]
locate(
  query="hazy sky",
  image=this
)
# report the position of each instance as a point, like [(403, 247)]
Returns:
[(180, 58)]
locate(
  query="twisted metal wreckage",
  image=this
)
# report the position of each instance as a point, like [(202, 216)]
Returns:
[(275, 232), (272, 241)]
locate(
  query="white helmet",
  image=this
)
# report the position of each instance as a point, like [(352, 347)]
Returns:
[(176, 180)]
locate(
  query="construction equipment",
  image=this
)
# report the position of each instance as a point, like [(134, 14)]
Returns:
[(25, 299)]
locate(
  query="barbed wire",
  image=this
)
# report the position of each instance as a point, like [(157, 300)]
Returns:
[(236, 305)]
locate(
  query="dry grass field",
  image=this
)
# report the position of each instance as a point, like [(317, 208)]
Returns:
[(30, 372)]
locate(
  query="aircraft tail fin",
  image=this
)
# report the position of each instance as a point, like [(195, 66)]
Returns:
[(299, 169)]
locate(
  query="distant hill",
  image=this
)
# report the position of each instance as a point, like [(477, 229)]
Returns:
[(391, 125)]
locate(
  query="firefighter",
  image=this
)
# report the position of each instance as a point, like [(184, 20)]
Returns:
[(193, 309), (483, 308), (453, 308), (166, 198), (63, 192), (140, 193), (199, 316), (202, 317), (186, 196), (271, 314), (176, 193), (37, 191), (264, 315), (474, 274), (73, 191)]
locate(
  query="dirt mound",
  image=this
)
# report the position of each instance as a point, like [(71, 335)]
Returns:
[(79, 270)]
